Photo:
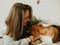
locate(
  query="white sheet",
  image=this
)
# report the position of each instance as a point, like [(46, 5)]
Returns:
[(47, 40)]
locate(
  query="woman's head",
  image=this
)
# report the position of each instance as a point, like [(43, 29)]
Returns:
[(27, 14), (19, 16)]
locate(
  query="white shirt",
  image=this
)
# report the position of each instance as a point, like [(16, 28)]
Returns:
[(7, 40)]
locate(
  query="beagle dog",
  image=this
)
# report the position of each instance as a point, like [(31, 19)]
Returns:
[(37, 30)]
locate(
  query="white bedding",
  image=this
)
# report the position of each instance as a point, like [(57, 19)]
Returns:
[(47, 40)]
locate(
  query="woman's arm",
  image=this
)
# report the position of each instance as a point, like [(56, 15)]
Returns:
[(7, 40)]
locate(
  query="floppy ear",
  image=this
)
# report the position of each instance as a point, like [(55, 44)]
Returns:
[(35, 30)]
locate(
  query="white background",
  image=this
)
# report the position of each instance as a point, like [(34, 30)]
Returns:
[(47, 9)]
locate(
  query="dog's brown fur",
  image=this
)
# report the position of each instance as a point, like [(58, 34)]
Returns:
[(37, 30)]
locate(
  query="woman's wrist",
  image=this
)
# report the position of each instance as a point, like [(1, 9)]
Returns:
[(30, 38)]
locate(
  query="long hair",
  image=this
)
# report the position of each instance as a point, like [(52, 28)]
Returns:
[(14, 20)]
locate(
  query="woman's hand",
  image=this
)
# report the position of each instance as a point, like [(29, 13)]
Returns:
[(32, 38)]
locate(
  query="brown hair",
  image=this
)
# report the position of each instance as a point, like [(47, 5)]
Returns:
[(14, 20)]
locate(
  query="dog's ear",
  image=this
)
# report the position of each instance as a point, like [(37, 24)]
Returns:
[(35, 30), (32, 30)]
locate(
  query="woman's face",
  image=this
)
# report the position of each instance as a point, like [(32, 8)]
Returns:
[(26, 17)]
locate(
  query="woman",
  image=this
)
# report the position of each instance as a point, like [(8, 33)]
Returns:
[(18, 23)]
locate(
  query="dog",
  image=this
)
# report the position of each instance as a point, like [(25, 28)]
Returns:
[(50, 30)]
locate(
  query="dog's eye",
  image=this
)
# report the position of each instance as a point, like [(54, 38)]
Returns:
[(37, 30)]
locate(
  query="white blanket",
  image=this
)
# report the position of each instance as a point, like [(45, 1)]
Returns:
[(47, 40)]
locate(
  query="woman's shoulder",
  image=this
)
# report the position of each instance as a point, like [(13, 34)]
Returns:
[(6, 38)]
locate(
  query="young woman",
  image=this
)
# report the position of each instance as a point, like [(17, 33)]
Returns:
[(18, 23)]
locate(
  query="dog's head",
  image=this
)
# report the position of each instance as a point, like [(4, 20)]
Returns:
[(36, 29)]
